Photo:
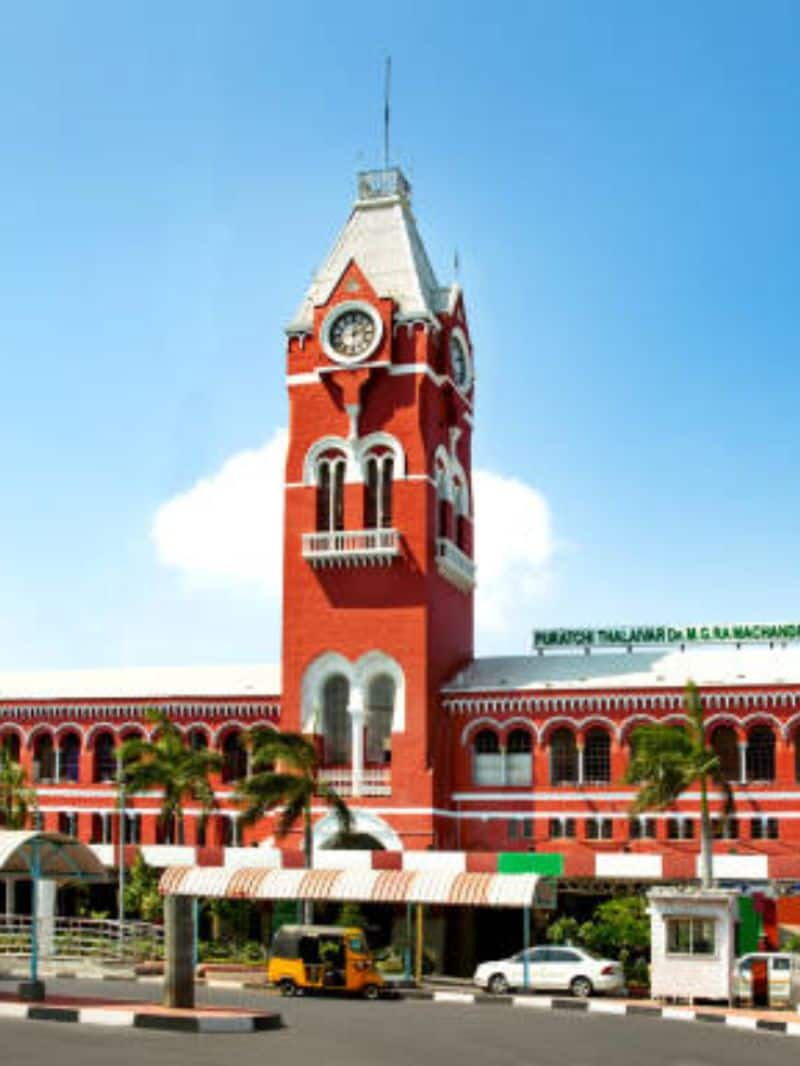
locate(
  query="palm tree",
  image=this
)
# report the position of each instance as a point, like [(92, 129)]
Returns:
[(667, 760), (285, 773), (16, 799), (166, 762)]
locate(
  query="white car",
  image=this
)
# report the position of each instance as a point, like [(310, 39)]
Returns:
[(554, 968)]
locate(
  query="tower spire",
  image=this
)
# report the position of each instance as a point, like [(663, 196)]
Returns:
[(387, 87)]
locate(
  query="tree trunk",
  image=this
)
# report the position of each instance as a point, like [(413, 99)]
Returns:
[(181, 828), (308, 853), (706, 873)]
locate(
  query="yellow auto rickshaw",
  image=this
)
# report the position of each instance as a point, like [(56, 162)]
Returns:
[(322, 958)]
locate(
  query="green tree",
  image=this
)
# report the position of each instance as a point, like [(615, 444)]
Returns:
[(618, 929), (285, 774), (142, 898), (668, 760), (17, 800), (167, 763)]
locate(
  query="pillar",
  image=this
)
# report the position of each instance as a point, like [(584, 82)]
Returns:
[(742, 762), (45, 916), (10, 886), (356, 710), (178, 952), (580, 763)]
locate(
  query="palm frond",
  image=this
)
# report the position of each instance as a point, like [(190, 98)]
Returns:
[(344, 815)]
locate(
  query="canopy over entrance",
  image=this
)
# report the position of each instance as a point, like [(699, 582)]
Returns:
[(29, 853), (361, 886)]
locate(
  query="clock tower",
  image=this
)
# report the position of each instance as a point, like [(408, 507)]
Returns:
[(378, 572)]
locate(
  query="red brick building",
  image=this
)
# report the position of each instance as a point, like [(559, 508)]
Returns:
[(435, 748)]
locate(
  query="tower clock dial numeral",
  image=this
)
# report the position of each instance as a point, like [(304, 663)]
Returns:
[(352, 333), (460, 370)]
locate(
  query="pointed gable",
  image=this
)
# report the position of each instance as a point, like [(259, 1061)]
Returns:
[(381, 237)]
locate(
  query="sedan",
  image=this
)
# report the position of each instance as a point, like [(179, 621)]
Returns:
[(554, 968)]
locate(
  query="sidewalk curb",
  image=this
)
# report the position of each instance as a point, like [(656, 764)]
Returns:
[(133, 1019), (611, 1007)]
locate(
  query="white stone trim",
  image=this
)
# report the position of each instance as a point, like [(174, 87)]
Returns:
[(366, 822)]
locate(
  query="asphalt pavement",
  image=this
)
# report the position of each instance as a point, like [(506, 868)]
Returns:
[(340, 1032)]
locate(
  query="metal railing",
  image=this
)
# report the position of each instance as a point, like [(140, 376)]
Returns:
[(358, 547), (82, 938)]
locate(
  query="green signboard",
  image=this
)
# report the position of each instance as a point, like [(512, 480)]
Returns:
[(649, 636)]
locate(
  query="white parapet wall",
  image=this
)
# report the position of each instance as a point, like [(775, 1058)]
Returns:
[(624, 864), (738, 867)]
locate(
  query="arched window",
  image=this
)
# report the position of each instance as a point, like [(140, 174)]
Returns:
[(380, 708), (70, 757), (761, 754), (725, 746), (460, 516), (198, 741), (443, 506), (234, 757), (336, 732), (11, 746), (519, 769), (796, 754), (563, 758), (330, 492), (105, 757), (378, 476), (487, 759), (44, 761), (597, 757)]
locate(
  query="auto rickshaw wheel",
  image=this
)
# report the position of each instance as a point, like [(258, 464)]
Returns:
[(288, 987), (371, 991)]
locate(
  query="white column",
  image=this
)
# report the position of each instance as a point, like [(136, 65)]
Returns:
[(356, 710), (10, 896), (742, 762), (46, 916), (580, 764)]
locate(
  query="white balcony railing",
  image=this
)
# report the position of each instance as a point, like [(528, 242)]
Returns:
[(372, 782), (454, 565), (359, 547)]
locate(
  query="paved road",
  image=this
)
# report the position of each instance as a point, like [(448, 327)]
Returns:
[(325, 1032)]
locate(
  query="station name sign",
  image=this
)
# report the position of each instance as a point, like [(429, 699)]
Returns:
[(649, 636)]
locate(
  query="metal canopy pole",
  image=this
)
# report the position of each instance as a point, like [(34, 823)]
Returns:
[(407, 968), (418, 960), (526, 937), (36, 870)]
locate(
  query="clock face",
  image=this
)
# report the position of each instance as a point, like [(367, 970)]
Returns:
[(459, 362), (352, 333)]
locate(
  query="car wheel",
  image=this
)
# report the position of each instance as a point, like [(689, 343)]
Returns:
[(581, 987), (288, 987), (498, 984), (371, 991)]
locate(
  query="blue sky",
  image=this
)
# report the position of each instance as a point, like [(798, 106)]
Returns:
[(620, 181)]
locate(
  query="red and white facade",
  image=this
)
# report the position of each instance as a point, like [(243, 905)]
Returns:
[(436, 750)]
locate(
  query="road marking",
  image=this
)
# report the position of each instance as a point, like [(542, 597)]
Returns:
[(540, 1002), (453, 997), (607, 1007), (97, 1016)]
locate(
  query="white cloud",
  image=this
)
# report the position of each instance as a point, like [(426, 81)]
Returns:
[(514, 549), (228, 527)]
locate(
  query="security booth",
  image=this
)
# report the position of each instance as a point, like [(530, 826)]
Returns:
[(47, 860), (767, 979), (693, 943), (414, 889)]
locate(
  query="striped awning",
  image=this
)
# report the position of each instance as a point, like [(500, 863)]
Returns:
[(361, 886)]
